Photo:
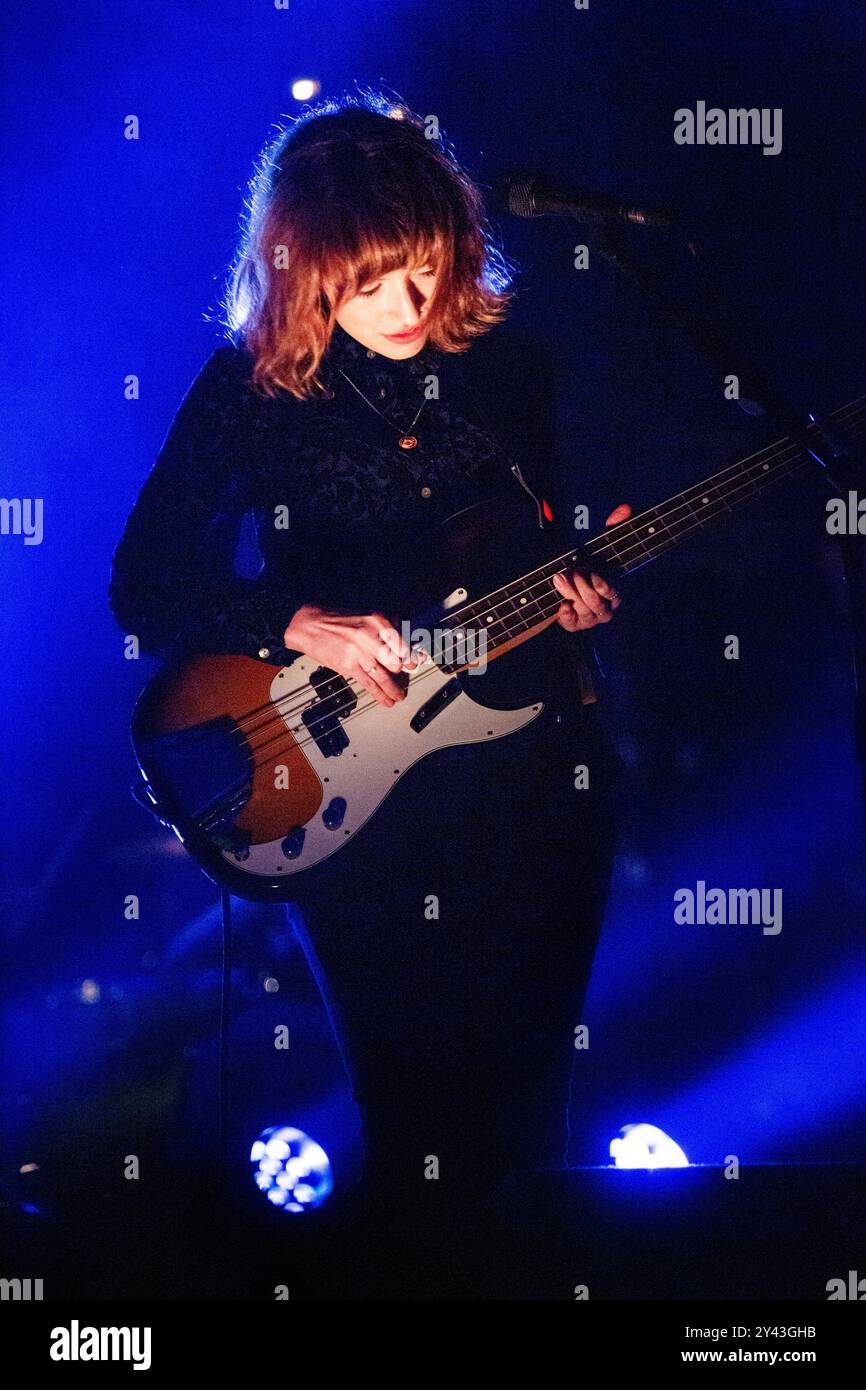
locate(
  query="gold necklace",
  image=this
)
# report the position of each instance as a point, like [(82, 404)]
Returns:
[(406, 440)]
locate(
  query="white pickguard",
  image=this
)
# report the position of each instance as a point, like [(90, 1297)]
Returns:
[(382, 747)]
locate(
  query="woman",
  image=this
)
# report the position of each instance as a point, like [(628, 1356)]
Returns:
[(452, 937)]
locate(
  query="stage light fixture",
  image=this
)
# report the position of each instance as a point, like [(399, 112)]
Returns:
[(305, 88), (646, 1146), (291, 1169)]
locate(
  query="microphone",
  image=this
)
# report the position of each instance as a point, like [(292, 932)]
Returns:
[(532, 196)]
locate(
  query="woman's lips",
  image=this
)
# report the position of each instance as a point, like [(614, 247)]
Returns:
[(404, 337)]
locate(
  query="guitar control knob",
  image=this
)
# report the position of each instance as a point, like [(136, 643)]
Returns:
[(332, 816), (294, 842)]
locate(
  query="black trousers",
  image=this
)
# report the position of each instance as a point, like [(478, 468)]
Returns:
[(452, 941)]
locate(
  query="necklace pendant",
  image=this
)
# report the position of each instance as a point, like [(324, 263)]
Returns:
[(407, 441)]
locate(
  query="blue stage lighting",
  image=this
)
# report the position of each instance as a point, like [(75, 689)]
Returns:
[(291, 1169), (646, 1146)]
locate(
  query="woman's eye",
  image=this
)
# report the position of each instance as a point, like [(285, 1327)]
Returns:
[(367, 294)]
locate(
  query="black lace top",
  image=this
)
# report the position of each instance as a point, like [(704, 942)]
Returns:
[(338, 508)]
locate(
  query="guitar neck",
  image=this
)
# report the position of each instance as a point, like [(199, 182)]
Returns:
[(525, 606)]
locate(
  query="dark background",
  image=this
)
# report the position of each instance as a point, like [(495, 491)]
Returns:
[(739, 773)]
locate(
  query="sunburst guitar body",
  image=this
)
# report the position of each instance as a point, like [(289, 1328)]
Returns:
[(264, 771)]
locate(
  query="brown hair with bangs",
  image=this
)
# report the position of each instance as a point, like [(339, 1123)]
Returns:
[(352, 190)]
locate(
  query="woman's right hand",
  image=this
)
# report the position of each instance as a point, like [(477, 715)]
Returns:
[(365, 648)]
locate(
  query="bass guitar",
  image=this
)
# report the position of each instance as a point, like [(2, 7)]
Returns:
[(263, 772)]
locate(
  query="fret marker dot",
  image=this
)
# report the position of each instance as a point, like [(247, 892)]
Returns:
[(651, 529), (523, 600), (765, 467), (705, 499)]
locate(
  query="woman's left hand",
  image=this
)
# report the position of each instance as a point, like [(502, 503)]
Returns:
[(588, 600)]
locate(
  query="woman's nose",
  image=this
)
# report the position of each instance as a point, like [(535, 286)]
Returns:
[(405, 304)]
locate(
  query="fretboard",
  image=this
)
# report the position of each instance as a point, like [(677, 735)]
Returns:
[(530, 600)]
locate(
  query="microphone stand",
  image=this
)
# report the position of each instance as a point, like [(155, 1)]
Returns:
[(838, 457)]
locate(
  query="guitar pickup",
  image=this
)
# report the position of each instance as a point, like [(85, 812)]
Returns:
[(336, 701), (435, 705)]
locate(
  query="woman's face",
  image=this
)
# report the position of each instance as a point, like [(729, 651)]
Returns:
[(389, 314)]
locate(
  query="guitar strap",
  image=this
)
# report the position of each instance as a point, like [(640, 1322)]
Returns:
[(577, 656)]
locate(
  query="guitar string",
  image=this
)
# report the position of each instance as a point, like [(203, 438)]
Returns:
[(855, 407), (282, 742), (649, 549), (279, 724), (605, 542), (542, 614), (258, 749), (281, 748)]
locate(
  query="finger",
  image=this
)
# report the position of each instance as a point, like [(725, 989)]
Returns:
[(579, 590), (382, 653), (587, 602), (382, 676), (563, 585), (578, 618), (388, 684), (575, 606), (377, 680), (365, 679), (587, 595), (412, 658), (606, 590), (567, 617), (620, 513), (394, 652)]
